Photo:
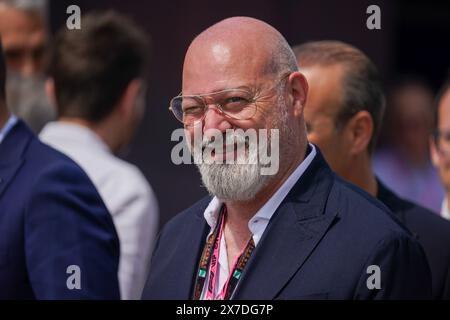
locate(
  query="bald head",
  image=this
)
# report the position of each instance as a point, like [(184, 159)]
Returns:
[(232, 45), (247, 70)]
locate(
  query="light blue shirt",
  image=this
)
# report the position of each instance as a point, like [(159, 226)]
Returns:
[(7, 127)]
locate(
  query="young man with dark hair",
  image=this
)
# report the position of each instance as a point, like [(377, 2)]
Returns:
[(97, 78)]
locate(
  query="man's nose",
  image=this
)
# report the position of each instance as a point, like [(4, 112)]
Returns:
[(215, 119)]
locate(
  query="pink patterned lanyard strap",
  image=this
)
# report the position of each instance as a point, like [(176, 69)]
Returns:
[(210, 261)]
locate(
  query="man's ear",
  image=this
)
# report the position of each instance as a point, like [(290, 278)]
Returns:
[(50, 90), (434, 152), (361, 131), (298, 92), (128, 99)]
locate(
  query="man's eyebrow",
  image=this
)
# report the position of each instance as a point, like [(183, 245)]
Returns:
[(14, 48), (242, 87)]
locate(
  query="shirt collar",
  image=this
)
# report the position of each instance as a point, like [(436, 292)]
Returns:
[(265, 213), (7, 127), (445, 213), (62, 133)]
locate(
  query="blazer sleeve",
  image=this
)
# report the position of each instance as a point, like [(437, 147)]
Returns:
[(403, 269), (71, 245)]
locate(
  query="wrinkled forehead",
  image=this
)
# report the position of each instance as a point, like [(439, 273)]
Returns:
[(15, 20), (20, 27), (217, 65)]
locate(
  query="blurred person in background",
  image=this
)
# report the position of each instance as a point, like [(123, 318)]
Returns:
[(343, 114), (25, 34), (440, 144), (57, 239), (403, 162), (97, 79)]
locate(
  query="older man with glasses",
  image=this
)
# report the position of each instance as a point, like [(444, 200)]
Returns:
[(300, 233)]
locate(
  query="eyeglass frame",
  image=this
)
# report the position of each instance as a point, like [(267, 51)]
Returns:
[(218, 106), (437, 135)]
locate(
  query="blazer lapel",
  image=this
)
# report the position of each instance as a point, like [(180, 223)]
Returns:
[(7, 173), (11, 153), (194, 251), (291, 236)]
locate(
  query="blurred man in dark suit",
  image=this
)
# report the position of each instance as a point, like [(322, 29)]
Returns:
[(343, 115), (296, 233), (57, 239)]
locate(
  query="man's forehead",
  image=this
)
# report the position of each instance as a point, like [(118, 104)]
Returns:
[(217, 82), (20, 29), (219, 67), (14, 20)]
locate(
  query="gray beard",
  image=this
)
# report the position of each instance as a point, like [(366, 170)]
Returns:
[(233, 182), (242, 182), (28, 100)]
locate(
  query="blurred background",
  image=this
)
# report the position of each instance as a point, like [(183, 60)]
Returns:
[(411, 50)]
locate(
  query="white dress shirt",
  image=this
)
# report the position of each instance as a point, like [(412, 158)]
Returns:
[(125, 192), (7, 127), (257, 224), (445, 213)]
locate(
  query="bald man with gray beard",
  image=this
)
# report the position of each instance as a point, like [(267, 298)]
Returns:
[(297, 233)]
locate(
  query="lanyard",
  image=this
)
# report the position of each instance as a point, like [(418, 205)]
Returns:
[(210, 261)]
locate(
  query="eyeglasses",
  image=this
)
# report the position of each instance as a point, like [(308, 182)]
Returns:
[(442, 140), (238, 104), (234, 103)]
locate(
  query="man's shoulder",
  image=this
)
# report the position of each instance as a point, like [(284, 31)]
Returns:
[(24, 145), (359, 209), (40, 158), (44, 168), (422, 220), (418, 219), (365, 227)]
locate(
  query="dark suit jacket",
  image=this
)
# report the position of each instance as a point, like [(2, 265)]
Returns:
[(318, 245), (51, 217), (433, 233)]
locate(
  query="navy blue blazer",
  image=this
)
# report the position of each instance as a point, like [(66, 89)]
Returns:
[(432, 232), (319, 244), (51, 218)]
